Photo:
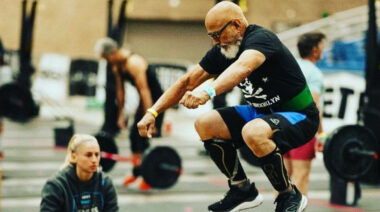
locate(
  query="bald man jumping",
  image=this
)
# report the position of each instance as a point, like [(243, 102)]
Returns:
[(280, 116)]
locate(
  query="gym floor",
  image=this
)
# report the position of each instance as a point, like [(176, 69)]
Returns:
[(30, 158)]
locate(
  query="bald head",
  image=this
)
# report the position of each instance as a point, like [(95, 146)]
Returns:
[(223, 12)]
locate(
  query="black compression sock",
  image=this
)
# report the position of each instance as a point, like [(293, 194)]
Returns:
[(273, 167), (224, 155)]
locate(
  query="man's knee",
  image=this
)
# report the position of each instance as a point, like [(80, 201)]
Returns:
[(257, 134), (211, 125), (200, 124)]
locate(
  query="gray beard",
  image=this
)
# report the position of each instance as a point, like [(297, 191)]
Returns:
[(231, 51)]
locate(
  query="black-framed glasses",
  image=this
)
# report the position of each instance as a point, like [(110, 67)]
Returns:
[(216, 35)]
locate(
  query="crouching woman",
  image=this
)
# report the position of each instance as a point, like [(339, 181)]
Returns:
[(80, 186)]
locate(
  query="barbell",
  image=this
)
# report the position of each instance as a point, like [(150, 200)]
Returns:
[(160, 165), (16, 102), (350, 152)]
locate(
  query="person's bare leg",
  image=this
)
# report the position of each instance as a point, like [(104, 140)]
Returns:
[(300, 174), (288, 166), (211, 125)]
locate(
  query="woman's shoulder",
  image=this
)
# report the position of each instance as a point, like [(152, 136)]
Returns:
[(104, 176), (105, 180), (60, 176), (55, 182)]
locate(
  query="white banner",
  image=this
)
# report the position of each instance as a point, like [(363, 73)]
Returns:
[(341, 99)]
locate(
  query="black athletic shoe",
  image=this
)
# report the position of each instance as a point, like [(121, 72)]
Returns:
[(237, 199), (291, 201)]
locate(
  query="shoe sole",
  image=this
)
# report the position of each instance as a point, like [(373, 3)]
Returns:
[(247, 205), (303, 204)]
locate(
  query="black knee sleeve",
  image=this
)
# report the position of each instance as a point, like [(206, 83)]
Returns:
[(274, 168), (224, 155)]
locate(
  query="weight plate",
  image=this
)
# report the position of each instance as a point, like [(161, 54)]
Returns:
[(338, 156), (17, 103), (161, 167)]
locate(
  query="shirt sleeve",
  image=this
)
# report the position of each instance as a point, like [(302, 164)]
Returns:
[(110, 196), (264, 42), (209, 61), (51, 198)]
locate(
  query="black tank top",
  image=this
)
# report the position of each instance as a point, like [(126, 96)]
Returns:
[(151, 76)]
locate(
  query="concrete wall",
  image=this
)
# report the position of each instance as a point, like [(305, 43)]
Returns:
[(68, 27), (294, 12), (72, 26), (177, 40)]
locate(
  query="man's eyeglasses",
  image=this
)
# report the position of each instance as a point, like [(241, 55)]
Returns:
[(216, 35)]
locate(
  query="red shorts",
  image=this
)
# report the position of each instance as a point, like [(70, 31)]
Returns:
[(304, 152)]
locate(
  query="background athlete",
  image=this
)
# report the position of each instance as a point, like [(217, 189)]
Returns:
[(129, 66)]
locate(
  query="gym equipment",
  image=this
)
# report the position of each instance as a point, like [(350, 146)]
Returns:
[(63, 131), (160, 165), (16, 103), (116, 30), (350, 152), (83, 76), (26, 44)]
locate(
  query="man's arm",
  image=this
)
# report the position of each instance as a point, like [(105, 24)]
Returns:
[(120, 95), (248, 61), (137, 67), (320, 134), (187, 82), (144, 91), (316, 100)]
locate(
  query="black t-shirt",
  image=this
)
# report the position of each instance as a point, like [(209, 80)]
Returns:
[(273, 83)]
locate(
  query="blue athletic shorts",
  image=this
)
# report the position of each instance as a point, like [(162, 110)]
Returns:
[(294, 128)]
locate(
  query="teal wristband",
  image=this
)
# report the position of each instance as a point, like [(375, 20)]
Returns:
[(209, 90)]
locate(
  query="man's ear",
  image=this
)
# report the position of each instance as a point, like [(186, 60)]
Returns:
[(237, 23)]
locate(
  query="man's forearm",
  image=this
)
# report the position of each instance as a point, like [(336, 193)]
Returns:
[(171, 96), (248, 61), (120, 92), (120, 102), (231, 77), (187, 82), (146, 98)]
